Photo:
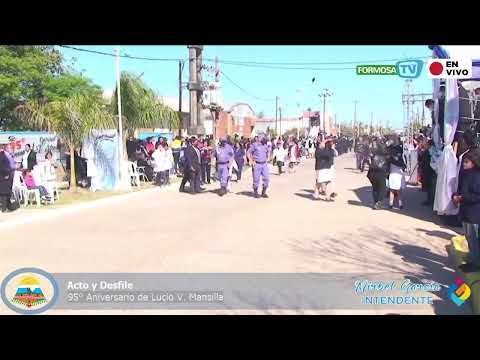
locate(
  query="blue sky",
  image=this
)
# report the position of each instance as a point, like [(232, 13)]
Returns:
[(378, 94)]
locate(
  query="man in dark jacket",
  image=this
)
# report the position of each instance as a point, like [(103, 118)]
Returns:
[(7, 172), (29, 158), (192, 169), (429, 177), (377, 173)]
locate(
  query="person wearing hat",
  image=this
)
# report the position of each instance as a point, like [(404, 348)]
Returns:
[(259, 155), (7, 171), (224, 155), (468, 199)]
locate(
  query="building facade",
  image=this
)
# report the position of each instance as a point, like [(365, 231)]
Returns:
[(237, 119)]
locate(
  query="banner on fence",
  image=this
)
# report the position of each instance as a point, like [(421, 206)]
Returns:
[(101, 151), (41, 142)]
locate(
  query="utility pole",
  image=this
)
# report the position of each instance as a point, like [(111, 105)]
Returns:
[(354, 123), (324, 95), (195, 88), (335, 122), (120, 125), (180, 92), (280, 122), (276, 114), (371, 123)]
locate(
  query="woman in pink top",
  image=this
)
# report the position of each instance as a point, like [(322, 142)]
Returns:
[(30, 184)]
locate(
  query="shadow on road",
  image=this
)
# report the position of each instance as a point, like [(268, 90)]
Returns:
[(436, 233), (308, 194), (378, 251), (411, 197), (246, 193), (310, 191)]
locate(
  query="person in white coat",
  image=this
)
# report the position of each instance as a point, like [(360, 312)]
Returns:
[(162, 163), (280, 154), (169, 162)]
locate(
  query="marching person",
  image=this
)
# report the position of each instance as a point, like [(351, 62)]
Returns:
[(396, 179), (377, 174), (259, 156), (324, 155), (192, 167), (239, 154), (279, 155), (292, 156), (224, 156), (207, 151)]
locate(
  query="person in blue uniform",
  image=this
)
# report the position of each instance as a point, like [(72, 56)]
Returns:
[(224, 155), (259, 154)]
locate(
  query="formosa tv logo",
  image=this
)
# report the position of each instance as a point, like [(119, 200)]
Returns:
[(459, 292), (409, 69), (450, 69), (29, 291)]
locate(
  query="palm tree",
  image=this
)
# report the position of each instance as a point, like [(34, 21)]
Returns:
[(141, 107), (71, 119)]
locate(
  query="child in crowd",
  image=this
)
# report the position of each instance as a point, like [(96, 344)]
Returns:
[(30, 184), (468, 199)]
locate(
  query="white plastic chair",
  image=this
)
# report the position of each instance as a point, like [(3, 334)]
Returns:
[(134, 174), (33, 194), (141, 172), (19, 188), (28, 195)]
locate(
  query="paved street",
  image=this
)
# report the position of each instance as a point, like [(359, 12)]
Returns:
[(166, 231)]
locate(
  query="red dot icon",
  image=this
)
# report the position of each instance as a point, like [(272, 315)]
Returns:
[(436, 68)]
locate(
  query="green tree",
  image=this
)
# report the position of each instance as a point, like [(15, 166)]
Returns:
[(141, 107), (24, 71), (71, 118), (68, 84)]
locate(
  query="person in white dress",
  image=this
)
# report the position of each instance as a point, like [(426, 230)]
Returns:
[(396, 179), (324, 158)]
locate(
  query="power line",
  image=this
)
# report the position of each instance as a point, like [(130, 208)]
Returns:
[(252, 64), (318, 63), (122, 56), (245, 91)]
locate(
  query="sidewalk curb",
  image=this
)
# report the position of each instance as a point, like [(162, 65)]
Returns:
[(69, 209)]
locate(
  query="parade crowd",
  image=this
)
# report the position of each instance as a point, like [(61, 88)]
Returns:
[(193, 158), (387, 158), (199, 160)]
